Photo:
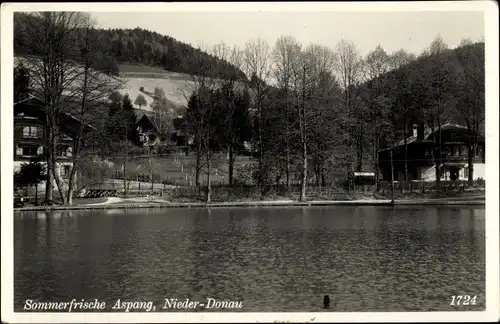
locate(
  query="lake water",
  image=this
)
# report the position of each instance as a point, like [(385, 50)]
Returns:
[(272, 259)]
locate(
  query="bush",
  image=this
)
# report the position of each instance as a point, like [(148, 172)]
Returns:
[(31, 174), (245, 174), (93, 171), (164, 149), (480, 182)]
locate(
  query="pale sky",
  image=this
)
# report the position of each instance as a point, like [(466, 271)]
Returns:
[(412, 31)]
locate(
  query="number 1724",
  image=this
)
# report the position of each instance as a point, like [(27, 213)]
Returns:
[(463, 300)]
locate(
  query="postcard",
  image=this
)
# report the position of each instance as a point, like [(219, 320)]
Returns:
[(250, 162)]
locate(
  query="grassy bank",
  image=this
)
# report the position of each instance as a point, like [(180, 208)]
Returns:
[(254, 204), (358, 199)]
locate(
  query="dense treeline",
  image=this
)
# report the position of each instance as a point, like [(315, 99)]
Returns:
[(330, 112), (312, 114), (132, 46)]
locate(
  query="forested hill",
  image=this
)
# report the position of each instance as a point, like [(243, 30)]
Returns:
[(454, 76), (137, 46)]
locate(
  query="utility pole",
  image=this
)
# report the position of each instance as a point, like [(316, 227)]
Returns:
[(392, 179)]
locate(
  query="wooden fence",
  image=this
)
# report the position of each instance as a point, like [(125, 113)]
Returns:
[(425, 186)]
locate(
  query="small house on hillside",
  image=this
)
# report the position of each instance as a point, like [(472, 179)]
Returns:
[(451, 142), (149, 134), (147, 130)]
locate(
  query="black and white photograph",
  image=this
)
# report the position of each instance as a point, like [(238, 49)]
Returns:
[(244, 162)]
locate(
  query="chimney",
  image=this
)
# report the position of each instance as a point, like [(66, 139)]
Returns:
[(415, 130)]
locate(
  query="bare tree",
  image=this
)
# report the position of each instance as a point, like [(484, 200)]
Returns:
[(322, 100), (200, 116), (162, 119), (465, 42), (92, 90), (140, 101), (258, 67), (400, 58), (286, 51), (399, 62), (51, 36), (163, 114), (377, 64), (349, 68), (234, 89), (471, 106), (438, 46), (436, 82)]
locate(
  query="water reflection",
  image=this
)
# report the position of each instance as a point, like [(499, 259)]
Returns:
[(273, 259)]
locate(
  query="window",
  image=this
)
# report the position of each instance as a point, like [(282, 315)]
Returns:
[(66, 170), (31, 132), (466, 172), (62, 151), (30, 151)]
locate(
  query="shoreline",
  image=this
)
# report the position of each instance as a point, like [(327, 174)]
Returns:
[(270, 203)]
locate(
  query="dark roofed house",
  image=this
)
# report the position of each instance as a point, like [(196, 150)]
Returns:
[(452, 139), (147, 129), (30, 135), (149, 134)]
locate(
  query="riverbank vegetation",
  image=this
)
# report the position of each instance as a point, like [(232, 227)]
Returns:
[(305, 116)]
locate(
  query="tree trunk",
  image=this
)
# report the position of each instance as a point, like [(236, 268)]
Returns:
[(472, 147), (304, 174), (260, 148), (358, 152), (71, 184), (49, 189), (361, 136), (375, 157), (151, 168), (303, 127), (437, 159), (209, 187), (198, 164), (317, 168), (470, 162), (49, 182), (392, 178), (288, 184), (124, 175), (55, 173), (438, 173), (406, 150), (59, 183), (303, 183), (231, 164), (323, 180)]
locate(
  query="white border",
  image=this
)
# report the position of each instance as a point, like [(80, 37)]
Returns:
[(492, 313)]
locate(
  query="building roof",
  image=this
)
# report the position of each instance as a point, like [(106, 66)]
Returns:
[(41, 106), (427, 134)]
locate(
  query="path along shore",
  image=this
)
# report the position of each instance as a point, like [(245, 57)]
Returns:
[(151, 202)]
